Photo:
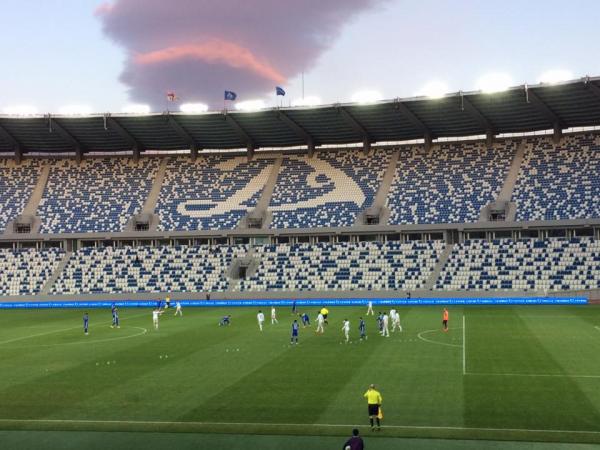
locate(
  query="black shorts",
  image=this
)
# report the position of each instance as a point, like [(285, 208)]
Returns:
[(445, 323), (373, 410)]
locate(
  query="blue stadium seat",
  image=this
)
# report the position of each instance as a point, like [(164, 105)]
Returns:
[(100, 194), (213, 192), (449, 184), (327, 190), (559, 182)]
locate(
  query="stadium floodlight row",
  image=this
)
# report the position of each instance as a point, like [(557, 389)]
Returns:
[(522, 108)]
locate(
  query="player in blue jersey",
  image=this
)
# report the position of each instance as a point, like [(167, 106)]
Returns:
[(115, 316), (86, 320), (362, 327), (295, 328), (226, 320), (294, 310), (305, 320)]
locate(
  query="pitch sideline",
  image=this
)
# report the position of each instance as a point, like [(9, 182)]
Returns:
[(275, 425)]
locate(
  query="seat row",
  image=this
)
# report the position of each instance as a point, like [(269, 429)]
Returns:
[(557, 264), (450, 183)]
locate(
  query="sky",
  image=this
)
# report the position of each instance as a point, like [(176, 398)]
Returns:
[(110, 54)]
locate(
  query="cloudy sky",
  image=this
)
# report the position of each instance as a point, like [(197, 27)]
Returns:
[(108, 54)]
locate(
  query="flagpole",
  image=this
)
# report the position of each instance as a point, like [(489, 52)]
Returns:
[(303, 85)]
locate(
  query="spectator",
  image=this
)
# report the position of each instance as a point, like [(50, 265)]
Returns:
[(355, 442)]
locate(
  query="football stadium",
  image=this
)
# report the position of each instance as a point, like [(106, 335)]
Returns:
[(424, 270)]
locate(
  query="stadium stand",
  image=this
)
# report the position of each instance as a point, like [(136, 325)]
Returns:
[(16, 185), (98, 194), (147, 269), (449, 184), (25, 271), (327, 190), (553, 264), (528, 265), (213, 192), (559, 181), (343, 266)]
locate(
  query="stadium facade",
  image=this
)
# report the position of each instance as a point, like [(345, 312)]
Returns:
[(472, 194)]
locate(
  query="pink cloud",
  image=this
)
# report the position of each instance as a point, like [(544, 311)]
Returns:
[(198, 48), (214, 51), (103, 8)]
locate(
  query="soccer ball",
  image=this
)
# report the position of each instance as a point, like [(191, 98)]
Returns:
[(348, 447)]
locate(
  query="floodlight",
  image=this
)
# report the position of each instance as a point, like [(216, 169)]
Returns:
[(136, 109), (250, 105), (555, 76), (311, 100), (75, 110), (365, 97), (433, 90), (494, 82), (20, 110), (193, 108)]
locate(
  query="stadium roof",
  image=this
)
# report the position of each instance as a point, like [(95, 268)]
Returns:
[(519, 109)]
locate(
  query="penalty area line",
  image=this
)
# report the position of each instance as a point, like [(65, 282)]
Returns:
[(555, 375), (276, 425)]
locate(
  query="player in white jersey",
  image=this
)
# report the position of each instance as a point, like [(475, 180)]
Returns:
[(346, 329), (178, 309), (273, 316), (261, 319), (155, 315), (385, 331), (370, 309), (320, 322), (393, 318), (396, 321)]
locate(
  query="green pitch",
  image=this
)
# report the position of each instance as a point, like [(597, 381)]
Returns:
[(519, 374)]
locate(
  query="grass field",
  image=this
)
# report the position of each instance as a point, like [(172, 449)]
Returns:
[(508, 373)]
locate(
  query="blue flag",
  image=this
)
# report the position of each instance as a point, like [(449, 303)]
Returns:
[(230, 95), (279, 90)]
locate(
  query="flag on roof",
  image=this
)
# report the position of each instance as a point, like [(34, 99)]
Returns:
[(171, 96), (279, 90), (230, 95)]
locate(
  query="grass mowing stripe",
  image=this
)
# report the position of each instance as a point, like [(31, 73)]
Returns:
[(270, 387), (513, 345), (464, 346)]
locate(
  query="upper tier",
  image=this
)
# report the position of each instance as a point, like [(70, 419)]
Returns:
[(449, 183)]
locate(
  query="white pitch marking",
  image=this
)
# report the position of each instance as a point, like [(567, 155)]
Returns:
[(555, 375), (436, 342), (275, 425), (56, 331), (116, 338), (37, 335)]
